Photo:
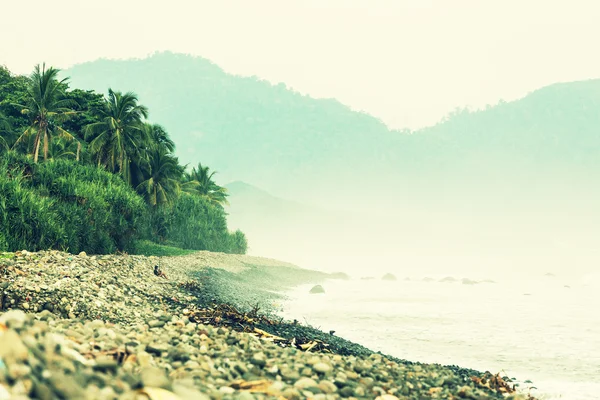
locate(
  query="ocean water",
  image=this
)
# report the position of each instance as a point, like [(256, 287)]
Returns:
[(543, 329)]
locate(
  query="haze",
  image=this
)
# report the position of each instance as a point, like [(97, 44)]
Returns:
[(408, 62)]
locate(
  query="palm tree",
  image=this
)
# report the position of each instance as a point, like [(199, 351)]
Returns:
[(200, 181), (64, 148), (162, 175), (46, 106), (119, 135), (157, 135)]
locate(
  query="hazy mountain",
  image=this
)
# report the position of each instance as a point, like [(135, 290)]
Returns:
[(320, 150), (232, 122), (516, 181)]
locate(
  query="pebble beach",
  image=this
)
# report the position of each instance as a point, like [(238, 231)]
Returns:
[(106, 327)]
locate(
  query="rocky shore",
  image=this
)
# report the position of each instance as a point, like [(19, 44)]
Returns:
[(106, 327)]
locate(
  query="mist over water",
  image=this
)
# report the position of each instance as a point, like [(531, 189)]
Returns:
[(447, 228), (534, 330), (534, 234)]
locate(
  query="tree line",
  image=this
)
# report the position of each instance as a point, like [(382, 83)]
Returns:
[(82, 150)]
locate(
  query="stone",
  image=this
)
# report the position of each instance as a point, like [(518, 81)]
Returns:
[(327, 387), (14, 319), (258, 359), (156, 349), (289, 374), (152, 376), (12, 347), (322, 367), (156, 323), (305, 383), (389, 277), (317, 289), (106, 364), (346, 391)]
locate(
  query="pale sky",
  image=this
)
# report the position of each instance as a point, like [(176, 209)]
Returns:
[(407, 62)]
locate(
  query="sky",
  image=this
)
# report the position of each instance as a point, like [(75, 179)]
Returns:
[(407, 62)]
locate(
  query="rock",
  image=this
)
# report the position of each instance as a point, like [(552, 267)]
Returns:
[(448, 279), (152, 376), (156, 323), (156, 349), (322, 368), (244, 395), (14, 319), (106, 364), (388, 277), (305, 383), (226, 390), (346, 391), (289, 374), (386, 397), (291, 394), (327, 387), (12, 347), (258, 359), (317, 289), (83, 254), (340, 275)]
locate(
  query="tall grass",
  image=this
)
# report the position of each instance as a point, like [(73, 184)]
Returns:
[(60, 204), (63, 205), (193, 222)]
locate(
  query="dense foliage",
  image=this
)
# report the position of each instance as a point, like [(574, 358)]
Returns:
[(64, 205), (108, 178)]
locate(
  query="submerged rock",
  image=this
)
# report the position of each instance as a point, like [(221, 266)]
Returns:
[(448, 279), (340, 275), (388, 277), (317, 289)]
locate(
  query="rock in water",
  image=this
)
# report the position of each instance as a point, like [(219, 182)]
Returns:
[(340, 275), (317, 289), (389, 277)]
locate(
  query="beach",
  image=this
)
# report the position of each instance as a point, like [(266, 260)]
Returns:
[(106, 327)]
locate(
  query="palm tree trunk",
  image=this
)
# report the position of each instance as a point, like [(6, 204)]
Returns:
[(78, 151), (45, 145), (36, 147)]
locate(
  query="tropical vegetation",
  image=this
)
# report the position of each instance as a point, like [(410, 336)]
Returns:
[(107, 180)]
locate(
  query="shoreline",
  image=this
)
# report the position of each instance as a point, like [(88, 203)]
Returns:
[(83, 297)]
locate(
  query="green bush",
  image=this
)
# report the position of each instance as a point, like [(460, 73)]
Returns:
[(192, 222), (63, 205)]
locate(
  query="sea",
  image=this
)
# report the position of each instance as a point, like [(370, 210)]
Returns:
[(544, 331)]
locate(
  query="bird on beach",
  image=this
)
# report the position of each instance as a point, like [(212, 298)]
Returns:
[(158, 272)]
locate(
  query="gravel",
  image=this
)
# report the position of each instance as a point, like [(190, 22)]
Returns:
[(105, 327)]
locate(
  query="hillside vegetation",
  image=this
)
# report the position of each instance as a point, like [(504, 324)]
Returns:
[(80, 171)]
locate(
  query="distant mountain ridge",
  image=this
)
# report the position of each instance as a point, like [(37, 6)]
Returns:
[(231, 122), (314, 149)]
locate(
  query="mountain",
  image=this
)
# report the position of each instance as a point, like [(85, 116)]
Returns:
[(230, 122), (319, 150), (510, 185)]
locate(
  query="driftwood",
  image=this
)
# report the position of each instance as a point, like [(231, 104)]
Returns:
[(227, 315)]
